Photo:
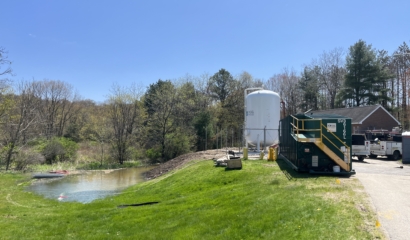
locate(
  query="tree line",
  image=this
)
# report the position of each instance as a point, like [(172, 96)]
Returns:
[(44, 119)]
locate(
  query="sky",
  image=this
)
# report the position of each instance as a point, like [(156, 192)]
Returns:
[(92, 45)]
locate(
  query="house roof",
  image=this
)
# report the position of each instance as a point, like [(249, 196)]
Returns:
[(357, 114)]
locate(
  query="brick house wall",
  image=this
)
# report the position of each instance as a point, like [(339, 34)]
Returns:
[(379, 119)]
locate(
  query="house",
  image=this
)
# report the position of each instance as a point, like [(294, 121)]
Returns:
[(364, 118)]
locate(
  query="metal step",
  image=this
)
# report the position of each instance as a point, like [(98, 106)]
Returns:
[(333, 156)]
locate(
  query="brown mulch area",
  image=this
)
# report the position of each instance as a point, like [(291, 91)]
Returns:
[(182, 160)]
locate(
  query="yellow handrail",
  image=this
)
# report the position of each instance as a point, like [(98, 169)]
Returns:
[(347, 149), (296, 127), (334, 135)]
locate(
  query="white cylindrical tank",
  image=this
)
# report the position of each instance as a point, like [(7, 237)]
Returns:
[(262, 112)]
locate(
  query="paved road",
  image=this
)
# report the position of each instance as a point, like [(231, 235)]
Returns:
[(389, 188)]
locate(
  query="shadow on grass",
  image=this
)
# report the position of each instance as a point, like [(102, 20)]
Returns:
[(290, 173)]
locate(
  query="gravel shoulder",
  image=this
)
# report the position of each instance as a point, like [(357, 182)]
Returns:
[(387, 183)]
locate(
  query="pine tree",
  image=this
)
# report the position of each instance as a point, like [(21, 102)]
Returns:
[(365, 76)]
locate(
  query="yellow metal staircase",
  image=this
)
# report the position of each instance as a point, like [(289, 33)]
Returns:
[(333, 156), (299, 126)]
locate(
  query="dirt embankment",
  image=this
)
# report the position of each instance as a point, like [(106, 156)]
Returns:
[(182, 160)]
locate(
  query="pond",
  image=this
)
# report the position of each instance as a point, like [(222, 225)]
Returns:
[(90, 185)]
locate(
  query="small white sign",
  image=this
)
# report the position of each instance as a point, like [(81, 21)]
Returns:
[(315, 161), (331, 127)]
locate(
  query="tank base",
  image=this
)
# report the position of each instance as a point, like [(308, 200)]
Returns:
[(313, 172)]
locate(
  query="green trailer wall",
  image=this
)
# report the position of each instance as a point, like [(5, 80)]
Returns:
[(307, 156)]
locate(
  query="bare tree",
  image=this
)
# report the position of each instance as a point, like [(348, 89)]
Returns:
[(57, 105), (387, 75), (332, 73), (125, 113), (202, 87), (7, 71), (21, 117), (274, 83), (401, 59), (286, 84), (5, 88)]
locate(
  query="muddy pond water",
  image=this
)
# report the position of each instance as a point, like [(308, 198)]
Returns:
[(90, 185)]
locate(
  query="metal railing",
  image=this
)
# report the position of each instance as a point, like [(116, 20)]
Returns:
[(298, 125)]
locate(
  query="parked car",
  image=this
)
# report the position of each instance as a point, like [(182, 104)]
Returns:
[(360, 146)]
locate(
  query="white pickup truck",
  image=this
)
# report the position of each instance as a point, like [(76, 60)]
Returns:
[(391, 149), (360, 146)]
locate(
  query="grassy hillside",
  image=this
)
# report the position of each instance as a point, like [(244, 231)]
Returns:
[(264, 200)]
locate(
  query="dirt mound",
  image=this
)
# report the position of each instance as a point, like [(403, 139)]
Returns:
[(182, 160)]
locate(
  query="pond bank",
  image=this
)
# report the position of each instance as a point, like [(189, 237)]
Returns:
[(182, 160), (86, 186)]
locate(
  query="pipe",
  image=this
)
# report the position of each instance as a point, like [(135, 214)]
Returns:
[(283, 108), (258, 144)]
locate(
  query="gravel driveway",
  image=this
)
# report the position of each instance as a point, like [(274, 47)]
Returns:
[(388, 186)]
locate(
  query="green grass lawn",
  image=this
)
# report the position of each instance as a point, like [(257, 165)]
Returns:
[(264, 200)]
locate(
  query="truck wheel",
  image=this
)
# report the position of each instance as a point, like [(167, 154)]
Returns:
[(360, 158), (373, 156), (396, 155)]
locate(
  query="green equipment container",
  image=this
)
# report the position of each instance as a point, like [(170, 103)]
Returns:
[(317, 143)]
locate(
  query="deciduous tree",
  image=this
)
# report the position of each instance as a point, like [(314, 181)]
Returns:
[(309, 86), (4, 71), (331, 76), (286, 84), (125, 115), (57, 106), (401, 60), (161, 103), (19, 119)]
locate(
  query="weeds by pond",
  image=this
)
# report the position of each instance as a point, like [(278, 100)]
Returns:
[(199, 202), (70, 166)]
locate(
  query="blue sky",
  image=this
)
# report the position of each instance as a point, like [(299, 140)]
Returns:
[(93, 44)]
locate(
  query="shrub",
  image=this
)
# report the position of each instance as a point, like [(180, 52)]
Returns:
[(52, 151), (59, 149), (26, 157), (136, 153), (178, 144), (153, 154), (70, 148)]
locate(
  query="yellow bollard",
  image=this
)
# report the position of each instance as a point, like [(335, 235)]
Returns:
[(261, 155), (245, 153), (270, 156), (275, 154)]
